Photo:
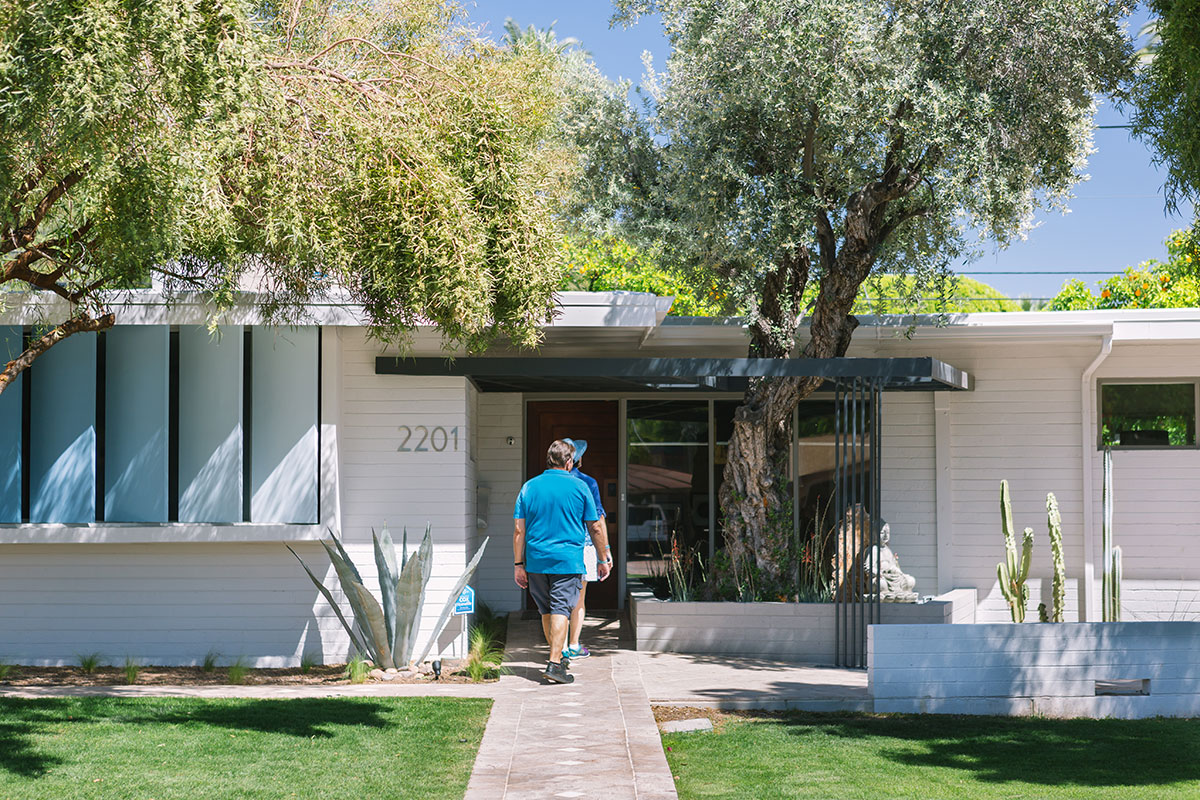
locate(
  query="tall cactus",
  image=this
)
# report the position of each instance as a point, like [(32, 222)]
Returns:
[(1013, 571), (1111, 562), (1054, 522)]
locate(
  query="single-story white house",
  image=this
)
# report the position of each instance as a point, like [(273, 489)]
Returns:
[(150, 476)]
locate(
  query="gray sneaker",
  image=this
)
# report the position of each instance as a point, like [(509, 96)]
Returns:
[(557, 673)]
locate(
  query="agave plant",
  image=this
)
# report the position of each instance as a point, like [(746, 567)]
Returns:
[(387, 633)]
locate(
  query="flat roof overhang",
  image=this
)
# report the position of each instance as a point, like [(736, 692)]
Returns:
[(549, 375)]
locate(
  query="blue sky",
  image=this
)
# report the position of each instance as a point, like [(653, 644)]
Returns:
[(1116, 220)]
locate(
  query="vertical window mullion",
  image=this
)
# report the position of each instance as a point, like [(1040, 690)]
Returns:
[(101, 412), (173, 427), (26, 430), (247, 420)]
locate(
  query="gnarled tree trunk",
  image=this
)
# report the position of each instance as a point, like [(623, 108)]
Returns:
[(755, 497)]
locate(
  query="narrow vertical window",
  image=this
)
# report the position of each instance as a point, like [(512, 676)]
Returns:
[(135, 430), (210, 424), (283, 436), (63, 431), (10, 430)]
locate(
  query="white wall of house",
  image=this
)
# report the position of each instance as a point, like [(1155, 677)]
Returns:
[(1156, 510), (1021, 423), (501, 415), (171, 593)]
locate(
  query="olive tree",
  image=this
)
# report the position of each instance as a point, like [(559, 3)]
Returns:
[(1166, 96), (797, 148)]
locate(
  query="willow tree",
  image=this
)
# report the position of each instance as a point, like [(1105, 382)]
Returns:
[(375, 150), (107, 113), (800, 147), (408, 162)]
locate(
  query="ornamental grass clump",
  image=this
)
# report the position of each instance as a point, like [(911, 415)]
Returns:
[(357, 669), (238, 672), (485, 655), (88, 662)]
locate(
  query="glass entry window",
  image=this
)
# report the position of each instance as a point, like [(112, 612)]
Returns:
[(667, 482)]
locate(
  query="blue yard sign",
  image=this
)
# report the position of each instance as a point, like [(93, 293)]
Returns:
[(465, 604)]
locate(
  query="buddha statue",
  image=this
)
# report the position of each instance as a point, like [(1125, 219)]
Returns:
[(894, 585)]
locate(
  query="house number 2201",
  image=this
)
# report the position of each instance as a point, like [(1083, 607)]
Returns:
[(437, 439)]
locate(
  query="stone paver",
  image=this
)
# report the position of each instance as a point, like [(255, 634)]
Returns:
[(593, 738)]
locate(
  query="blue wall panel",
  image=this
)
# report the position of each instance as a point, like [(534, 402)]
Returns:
[(62, 469), (135, 433), (10, 431), (283, 429), (210, 425)]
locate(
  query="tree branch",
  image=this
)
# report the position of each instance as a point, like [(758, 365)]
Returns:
[(28, 185), (80, 324), (25, 234)]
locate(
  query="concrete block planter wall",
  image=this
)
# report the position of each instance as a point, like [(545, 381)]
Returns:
[(786, 631), (1086, 669)]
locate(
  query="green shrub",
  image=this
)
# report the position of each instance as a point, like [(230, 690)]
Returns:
[(6, 670)]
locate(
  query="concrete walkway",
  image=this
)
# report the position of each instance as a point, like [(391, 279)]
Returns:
[(593, 738)]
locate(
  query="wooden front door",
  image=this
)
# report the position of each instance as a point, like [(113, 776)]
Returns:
[(595, 421)]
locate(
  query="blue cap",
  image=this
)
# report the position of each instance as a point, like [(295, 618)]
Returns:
[(580, 446)]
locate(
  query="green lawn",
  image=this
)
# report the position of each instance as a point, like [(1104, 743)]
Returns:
[(864, 757), (168, 749)]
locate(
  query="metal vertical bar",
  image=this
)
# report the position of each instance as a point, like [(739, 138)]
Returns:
[(839, 529), (863, 535), (795, 462), (622, 564), (712, 481), (877, 479), (856, 536)]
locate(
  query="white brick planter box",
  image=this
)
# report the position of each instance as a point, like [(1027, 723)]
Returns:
[(802, 632), (1076, 669)]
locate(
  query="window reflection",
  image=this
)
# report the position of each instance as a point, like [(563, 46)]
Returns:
[(667, 480)]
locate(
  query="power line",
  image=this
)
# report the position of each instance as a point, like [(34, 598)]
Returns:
[(1041, 272)]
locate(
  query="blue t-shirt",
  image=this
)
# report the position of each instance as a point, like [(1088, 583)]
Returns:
[(595, 487), (555, 505)]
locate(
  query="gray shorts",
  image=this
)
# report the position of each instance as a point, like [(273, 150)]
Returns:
[(555, 594)]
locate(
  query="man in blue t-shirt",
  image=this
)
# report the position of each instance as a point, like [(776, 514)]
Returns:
[(548, 532), (574, 648)]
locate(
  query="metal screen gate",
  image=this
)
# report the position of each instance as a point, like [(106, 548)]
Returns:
[(857, 501)]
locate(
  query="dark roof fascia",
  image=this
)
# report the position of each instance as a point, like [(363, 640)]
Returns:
[(923, 373)]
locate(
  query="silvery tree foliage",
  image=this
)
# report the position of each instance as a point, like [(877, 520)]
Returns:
[(797, 147)]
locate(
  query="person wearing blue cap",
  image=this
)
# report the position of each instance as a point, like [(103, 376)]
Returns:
[(550, 521), (590, 561)]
